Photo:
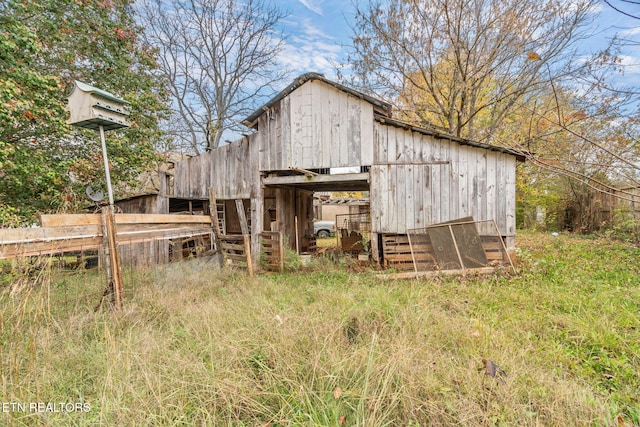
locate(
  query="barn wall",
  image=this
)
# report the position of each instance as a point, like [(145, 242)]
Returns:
[(231, 170), (418, 180), (192, 177), (275, 136), (150, 204), (316, 126)]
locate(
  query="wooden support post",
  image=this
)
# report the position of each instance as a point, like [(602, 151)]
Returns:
[(375, 248), (247, 249), (115, 288), (281, 251), (245, 234), (295, 224), (413, 256)]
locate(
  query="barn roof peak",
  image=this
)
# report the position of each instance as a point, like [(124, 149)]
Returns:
[(381, 108)]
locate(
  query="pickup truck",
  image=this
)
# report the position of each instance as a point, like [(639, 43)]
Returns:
[(323, 229)]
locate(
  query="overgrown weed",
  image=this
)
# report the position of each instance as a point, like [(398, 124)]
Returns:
[(332, 345)]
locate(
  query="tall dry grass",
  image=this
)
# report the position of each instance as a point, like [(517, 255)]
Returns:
[(328, 346)]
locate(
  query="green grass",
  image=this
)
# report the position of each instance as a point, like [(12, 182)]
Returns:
[(199, 346)]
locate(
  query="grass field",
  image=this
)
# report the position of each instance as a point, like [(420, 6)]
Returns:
[(333, 345)]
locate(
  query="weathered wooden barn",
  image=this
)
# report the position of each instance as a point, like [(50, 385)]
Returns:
[(171, 246), (415, 176)]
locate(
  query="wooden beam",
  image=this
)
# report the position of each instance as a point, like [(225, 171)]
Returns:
[(436, 273), (65, 220), (303, 179), (304, 171), (242, 217), (245, 233), (32, 235), (161, 218)]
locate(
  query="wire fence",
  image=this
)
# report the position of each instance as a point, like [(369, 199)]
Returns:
[(354, 232), (61, 285)]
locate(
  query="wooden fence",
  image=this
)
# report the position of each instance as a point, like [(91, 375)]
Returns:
[(83, 232), (273, 250)]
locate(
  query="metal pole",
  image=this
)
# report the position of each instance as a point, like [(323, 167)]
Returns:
[(106, 165)]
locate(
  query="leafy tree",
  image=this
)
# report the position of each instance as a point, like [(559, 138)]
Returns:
[(44, 47), (466, 58), (511, 73), (30, 114)]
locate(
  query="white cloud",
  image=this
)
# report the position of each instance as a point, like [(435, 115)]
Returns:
[(631, 31), (311, 49), (630, 64), (313, 6)]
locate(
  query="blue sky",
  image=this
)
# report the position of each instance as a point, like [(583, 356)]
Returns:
[(320, 28)]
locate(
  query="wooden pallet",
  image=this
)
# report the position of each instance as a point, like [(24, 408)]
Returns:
[(397, 252)]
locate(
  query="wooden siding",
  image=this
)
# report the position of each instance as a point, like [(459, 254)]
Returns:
[(149, 203), (231, 170), (192, 177), (316, 126), (275, 136), (418, 180)]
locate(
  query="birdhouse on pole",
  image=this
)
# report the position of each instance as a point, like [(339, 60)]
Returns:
[(97, 109), (91, 107)]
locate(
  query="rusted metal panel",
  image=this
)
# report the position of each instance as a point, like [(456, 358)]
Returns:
[(457, 244)]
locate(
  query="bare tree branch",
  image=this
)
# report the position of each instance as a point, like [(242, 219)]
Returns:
[(219, 58)]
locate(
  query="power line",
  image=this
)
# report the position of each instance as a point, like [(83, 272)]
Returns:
[(621, 11)]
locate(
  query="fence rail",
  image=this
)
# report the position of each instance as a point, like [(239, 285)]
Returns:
[(273, 250), (74, 232)]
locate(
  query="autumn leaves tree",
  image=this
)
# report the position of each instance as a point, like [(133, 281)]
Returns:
[(511, 73), (465, 59), (44, 46)]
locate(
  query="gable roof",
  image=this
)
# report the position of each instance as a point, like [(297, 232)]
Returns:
[(382, 114), (379, 107), (91, 89)]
